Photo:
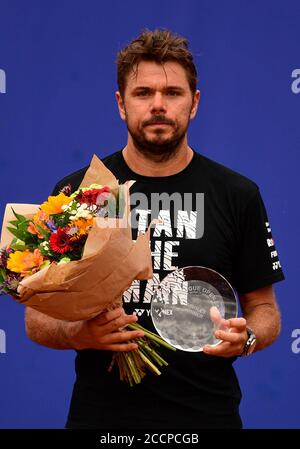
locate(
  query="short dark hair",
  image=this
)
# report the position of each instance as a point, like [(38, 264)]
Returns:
[(158, 46)]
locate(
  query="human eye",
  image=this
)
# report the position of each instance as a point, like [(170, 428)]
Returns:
[(173, 93), (143, 93)]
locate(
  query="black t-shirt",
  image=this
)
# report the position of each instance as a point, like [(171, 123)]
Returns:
[(222, 224)]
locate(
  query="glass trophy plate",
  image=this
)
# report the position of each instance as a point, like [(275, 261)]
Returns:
[(190, 304)]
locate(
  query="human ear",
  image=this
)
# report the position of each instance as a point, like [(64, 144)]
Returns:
[(121, 105), (196, 100)]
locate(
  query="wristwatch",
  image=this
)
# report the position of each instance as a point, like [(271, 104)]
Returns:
[(250, 343)]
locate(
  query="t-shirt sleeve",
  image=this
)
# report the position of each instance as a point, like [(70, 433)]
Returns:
[(257, 262)]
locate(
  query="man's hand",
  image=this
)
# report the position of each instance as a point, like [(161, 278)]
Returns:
[(261, 313), (105, 332), (233, 333)]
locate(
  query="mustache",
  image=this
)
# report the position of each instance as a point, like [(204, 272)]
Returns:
[(158, 119)]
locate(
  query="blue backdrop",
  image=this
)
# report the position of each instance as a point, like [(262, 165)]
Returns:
[(57, 108)]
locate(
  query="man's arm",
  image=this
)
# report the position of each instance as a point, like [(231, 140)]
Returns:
[(260, 313), (101, 332)]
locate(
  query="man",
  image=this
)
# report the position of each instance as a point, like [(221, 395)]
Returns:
[(229, 233)]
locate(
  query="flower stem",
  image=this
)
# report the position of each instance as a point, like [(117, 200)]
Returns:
[(151, 335), (133, 364)]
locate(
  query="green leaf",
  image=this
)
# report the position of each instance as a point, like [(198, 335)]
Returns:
[(16, 233), (43, 232), (18, 245), (64, 260), (2, 274), (30, 238), (18, 216), (45, 264), (14, 223), (23, 228)]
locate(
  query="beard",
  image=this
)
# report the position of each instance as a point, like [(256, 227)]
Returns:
[(157, 147)]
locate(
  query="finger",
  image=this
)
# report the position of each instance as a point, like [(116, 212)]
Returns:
[(105, 317), (232, 337), (120, 322), (239, 323), (120, 337), (238, 330), (224, 349), (216, 318), (222, 325), (215, 315), (122, 347)]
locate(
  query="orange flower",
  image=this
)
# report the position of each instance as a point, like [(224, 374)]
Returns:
[(25, 262), (38, 219), (55, 203), (83, 226)]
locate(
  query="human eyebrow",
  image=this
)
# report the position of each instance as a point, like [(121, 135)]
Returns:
[(176, 89), (142, 89), (148, 90)]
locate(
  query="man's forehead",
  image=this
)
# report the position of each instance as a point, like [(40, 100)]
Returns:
[(151, 73)]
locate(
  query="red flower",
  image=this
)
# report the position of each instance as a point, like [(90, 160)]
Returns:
[(90, 196), (60, 242)]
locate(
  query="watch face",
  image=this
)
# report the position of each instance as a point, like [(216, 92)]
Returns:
[(251, 347)]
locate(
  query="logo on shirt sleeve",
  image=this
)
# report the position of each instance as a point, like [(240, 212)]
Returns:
[(271, 244)]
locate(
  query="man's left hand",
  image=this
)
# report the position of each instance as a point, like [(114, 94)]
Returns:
[(234, 339)]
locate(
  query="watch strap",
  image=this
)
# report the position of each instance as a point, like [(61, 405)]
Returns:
[(251, 340)]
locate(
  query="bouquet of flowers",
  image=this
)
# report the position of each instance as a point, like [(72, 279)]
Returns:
[(73, 257)]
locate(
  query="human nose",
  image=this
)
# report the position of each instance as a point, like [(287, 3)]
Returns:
[(158, 103)]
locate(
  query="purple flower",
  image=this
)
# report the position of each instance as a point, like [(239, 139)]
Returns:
[(11, 282), (51, 225), (102, 212), (4, 254)]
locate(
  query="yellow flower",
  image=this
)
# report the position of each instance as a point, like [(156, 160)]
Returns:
[(25, 262), (83, 226), (40, 217), (55, 203)]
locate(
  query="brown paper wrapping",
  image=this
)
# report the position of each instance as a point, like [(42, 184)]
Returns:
[(81, 289)]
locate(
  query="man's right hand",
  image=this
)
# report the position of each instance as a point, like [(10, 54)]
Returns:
[(103, 332)]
